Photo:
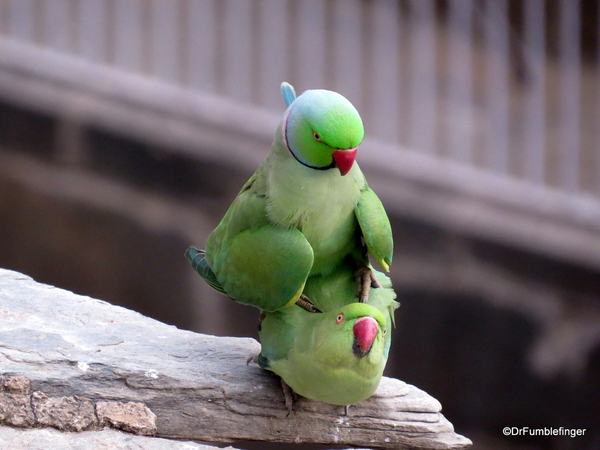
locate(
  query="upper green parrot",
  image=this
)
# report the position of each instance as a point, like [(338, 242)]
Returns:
[(338, 356), (305, 209)]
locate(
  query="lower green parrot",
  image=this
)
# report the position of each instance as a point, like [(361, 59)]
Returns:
[(336, 356)]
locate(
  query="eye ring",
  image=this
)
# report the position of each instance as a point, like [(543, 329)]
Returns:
[(384, 331), (340, 318), (317, 136)]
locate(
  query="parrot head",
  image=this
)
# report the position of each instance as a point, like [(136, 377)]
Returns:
[(351, 334), (321, 129)]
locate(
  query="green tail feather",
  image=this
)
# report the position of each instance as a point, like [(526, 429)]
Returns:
[(197, 258), (263, 362)]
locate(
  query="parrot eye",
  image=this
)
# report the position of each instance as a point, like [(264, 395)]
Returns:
[(317, 136), (340, 318), (384, 331)]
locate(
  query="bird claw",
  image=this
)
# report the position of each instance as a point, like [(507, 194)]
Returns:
[(304, 302), (261, 317), (365, 278), (288, 395), (252, 359)]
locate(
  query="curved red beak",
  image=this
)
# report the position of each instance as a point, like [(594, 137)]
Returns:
[(365, 331), (344, 159)]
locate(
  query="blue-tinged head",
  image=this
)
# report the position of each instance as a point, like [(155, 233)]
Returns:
[(321, 129)]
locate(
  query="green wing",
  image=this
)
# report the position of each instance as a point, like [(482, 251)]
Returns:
[(250, 259), (265, 268), (375, 227)]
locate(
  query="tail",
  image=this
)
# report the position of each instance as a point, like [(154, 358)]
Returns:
[(288, 92), (197, 258), (263, 362)]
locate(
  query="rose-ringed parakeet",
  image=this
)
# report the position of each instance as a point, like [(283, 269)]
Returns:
[(305, 210), (337, 356)]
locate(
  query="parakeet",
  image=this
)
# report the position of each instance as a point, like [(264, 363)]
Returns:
[(337, 356), (304, 211)]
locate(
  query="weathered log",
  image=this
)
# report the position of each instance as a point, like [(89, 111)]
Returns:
[(78, 364), (50, 438)]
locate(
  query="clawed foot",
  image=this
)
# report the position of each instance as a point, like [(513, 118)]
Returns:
[(365, 279), (304, 302), (261, 317), (289, 397)]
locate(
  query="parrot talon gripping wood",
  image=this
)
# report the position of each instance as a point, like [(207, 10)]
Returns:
[(288, 397)]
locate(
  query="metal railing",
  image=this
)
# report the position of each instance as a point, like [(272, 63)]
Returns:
[(498, 85)]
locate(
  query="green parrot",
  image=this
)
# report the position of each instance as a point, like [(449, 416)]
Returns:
[(337, 356), (304, 211)]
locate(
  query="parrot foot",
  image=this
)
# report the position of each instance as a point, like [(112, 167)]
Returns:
[(365, 278), (289, 397), (252, 359), (304, 302), (261, 317), (347, 410)]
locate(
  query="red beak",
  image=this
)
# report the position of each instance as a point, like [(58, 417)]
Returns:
[(344, 159), (365, 331)]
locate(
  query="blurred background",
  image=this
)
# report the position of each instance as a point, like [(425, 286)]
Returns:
[(128, 126)]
